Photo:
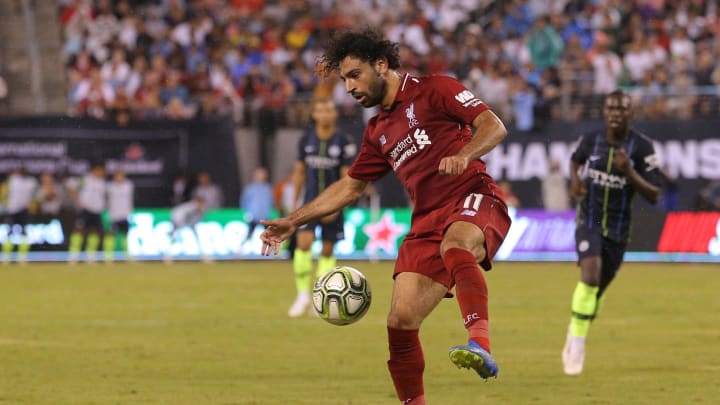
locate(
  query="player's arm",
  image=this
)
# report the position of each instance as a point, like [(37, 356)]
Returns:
[(336, 196), (489, 132), (649, 191), (298, 180), (577, 185)]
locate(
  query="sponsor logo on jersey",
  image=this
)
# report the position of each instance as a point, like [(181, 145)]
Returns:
[(469, 213), (410, 114), (409, 146), (383, 140), (321, 162), (606, 180)]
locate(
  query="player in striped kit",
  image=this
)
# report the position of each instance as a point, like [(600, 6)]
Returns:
[(92, 198), (608, 168), (121, 193), (20, 189), (324, 156)]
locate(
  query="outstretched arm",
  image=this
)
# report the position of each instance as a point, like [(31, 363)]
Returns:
[(490, 132), (335, 197)]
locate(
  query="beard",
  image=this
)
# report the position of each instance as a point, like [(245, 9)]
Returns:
[(376, 92)]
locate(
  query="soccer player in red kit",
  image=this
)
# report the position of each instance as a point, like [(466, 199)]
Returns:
[(423, 133)]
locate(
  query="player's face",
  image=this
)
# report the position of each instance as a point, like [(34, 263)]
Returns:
[(618, 112), (324, 113), (364, 81)]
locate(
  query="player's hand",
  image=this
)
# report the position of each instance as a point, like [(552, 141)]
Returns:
[(577, 189), (276, 231), (621, 160), (453, 165)]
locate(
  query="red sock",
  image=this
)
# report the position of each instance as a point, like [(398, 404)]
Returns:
[(472, 293), (406, 364)]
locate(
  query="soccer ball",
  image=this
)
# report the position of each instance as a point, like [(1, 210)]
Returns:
[(341, 296)]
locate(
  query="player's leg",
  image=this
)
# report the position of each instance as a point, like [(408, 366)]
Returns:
[(462, 248), (612, 258), (23, 218), (331, 232), (302, 270), (109, 240), (584, 302), (122, 233), (473, 234), (327, 260), (8, 246), (414, 296), (94, 230), (76, 237)]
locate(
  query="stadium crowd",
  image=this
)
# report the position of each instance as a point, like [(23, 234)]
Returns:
[(530, 60)]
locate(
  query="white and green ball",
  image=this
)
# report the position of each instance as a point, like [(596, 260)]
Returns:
[(342, 295)]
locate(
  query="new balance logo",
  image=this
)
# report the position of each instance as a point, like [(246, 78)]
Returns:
[(421, 138), (464, 97)]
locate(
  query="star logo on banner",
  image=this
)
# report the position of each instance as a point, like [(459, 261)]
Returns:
[(383, 234)]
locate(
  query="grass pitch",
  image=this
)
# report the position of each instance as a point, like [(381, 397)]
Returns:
[(190, 333)]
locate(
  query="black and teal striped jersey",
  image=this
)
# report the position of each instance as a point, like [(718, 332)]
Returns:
[(323, 159), (606, 208)]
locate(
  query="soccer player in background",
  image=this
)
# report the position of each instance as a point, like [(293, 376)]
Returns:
[(121, 201), (424, 134), (92, 199), (324, 156), (606, 170), (185, 215), (20, 191)]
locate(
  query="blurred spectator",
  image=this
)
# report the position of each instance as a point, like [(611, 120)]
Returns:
[(555, 189), (606, 65), (523, 104), (246, 58), (181, 188), (121, 202), (709, 197), (511, 199), (210, 192), (545, 44), (49, 197), (257, 199)]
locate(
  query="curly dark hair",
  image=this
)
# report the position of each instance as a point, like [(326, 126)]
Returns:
[(366, 44)]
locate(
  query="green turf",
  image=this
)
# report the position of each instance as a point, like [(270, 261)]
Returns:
[(219, 334)]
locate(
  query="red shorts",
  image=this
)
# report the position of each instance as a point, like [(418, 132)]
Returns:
[(420, 251)]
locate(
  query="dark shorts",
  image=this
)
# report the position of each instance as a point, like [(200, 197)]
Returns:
[(88, 220), (19, 218), (329, 231), (590, 243), (420, 251), (121, 227)]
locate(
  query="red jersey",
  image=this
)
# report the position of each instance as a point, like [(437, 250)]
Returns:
[(431, 118)]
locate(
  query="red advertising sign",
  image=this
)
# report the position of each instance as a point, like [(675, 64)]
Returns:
[(690, 232)]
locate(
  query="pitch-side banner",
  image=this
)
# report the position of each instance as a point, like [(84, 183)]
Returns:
[(534, 235)]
